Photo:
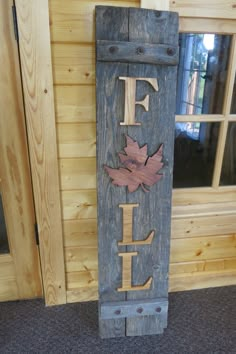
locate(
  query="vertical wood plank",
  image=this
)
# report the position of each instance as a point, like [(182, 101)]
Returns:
[(35, 55), (151, 261), (15, 180), (109, 141), (154, 212)]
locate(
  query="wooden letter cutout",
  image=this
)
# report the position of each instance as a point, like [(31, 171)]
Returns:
[(130, 98), (128, 227), (127, 274)]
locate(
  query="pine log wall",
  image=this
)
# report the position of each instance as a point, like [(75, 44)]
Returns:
[(203, 247)]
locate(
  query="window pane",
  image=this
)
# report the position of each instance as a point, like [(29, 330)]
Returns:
[(4, 247), (233, 105), (228, 174), (202, 73), (194, 156)]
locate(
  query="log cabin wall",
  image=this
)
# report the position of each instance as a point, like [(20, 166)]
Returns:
[(203, 247)]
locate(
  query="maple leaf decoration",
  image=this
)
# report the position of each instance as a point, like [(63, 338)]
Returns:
[(139, 168)]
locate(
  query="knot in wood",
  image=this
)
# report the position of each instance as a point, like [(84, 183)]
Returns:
[(158, 309), (140, 310), (170, 51), (140, 50), (113, 49), (117, 312)]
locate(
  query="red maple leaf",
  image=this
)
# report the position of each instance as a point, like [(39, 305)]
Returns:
[(139, 168)]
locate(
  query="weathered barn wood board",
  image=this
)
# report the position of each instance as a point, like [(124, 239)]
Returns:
[(156, 127)]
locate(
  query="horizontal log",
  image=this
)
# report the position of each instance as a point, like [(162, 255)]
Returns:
[(203, 226), (79, 204), (181, 282), (73, 21), (135, 52), (76, 140), (80, 233), (84, 232), (189, 196), (82, 294), (70, 201), (89, 278), (78, 173), (73, 63), (203, 248), (182, 250), (202, 280), (75, 104), (204, 9)]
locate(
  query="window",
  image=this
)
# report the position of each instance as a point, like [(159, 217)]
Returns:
[(202, 111)]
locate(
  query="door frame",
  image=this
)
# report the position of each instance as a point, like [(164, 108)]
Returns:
[(20, 269)]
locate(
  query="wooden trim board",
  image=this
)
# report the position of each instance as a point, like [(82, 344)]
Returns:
[(35, 55)]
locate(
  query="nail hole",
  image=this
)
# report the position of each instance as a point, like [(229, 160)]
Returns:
[(158, 309), (117, 312), (140, 310)]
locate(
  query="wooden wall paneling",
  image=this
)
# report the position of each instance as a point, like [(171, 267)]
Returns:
[(193, 249), (189, 196), (207, 25), (15, 180), (35, 55), (76, 140), (210, 209), (201, 280), (203, 248), (8, 284), (162, 5), (202, 9), (79, 204), (75, 104), (73, 63), (203, 226), (82, 286), (80, 232), (73, 21), (78, 173)]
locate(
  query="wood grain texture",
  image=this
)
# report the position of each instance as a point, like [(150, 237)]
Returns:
[(73, 63), (203, 195), (158, 128), (202, 280), (75, 104), (35, 54), (79, 204), (202, 9), (89, 278), (15, 176), (197, 226), (80, 232), (144, 53), (76, 140), (204, 248), (207, 25), (78, 173), (109, 141), (162, 5), (73, 21)]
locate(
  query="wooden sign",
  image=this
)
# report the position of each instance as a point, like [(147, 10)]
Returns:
[(137, 55)]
